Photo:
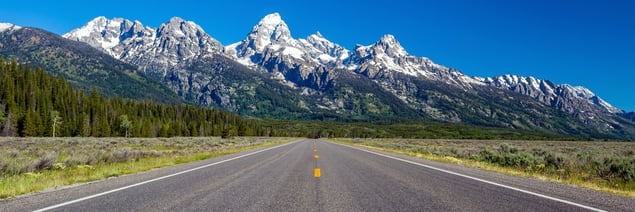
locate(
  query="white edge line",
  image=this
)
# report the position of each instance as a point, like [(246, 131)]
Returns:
[(155, 179), (478, 179)]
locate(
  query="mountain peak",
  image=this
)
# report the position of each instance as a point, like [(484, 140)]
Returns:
[(179, 24), (388, 38), (176, 19), (317, 37), (98, 19), (318, 34), (101, 32), (272, 19), (102, 21), (270, 30), (389, 45)]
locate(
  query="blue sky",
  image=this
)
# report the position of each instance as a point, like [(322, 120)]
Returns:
[(589, 43)]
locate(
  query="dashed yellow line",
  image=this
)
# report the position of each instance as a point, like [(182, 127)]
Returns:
[(316, 172)]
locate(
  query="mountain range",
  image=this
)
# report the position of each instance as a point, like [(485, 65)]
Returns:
[(271, 74)]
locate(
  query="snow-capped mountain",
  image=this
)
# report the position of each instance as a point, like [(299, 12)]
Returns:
[(270, 33), (330, 77), (271, 36), (305, 62), (164, 53), (156, 50)]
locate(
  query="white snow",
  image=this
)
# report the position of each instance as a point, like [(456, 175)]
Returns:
[(272, 19), (318, 37), (109, 43), (78, 33), (179, 33), (580, 91), (292, 51), (245, 61), (8, 26), (115, 23), (585, 93), (270, 28), (534, 83), (344, 55), (275, 47), (326, 58), (278, 76)]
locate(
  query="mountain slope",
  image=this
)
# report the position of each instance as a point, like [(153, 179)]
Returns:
[(156, 51), (80, 64)]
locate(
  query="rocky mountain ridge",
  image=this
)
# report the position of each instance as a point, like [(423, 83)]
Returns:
[(270, 45), (377, 80)]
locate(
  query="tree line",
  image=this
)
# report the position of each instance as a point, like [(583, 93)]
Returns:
[(35, 103)]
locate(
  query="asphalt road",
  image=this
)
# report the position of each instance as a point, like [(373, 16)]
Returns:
[(283, 178)]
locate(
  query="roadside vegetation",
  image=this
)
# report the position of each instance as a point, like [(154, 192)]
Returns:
[(605, 166), (35, 164)]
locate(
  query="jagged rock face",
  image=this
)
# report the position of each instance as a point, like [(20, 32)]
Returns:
[(564, 97), (577, 101), (170, 46), (324, 51), (387, 56), (108, 34)]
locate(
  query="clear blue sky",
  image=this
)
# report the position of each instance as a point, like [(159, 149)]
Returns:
[(589, 43)]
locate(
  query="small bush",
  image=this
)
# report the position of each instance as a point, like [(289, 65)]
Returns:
[(59, 166), (45, 162)]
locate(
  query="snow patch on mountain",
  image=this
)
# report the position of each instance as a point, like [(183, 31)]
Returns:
[(8, 27)]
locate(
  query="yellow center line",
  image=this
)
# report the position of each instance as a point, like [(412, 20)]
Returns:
[(316, 172)]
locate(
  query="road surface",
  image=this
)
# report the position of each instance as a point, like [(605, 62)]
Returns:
[(283, 178)]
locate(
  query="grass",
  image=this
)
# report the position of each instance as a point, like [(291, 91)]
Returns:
[(35, 164), (602, 166)]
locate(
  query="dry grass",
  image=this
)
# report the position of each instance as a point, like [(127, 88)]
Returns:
[(604, 166), (34, 164)]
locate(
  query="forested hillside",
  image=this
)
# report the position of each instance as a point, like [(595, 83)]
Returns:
[(34, 103)]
